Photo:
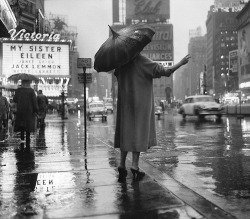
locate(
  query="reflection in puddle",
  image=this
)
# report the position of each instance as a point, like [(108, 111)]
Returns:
[(209, 155)]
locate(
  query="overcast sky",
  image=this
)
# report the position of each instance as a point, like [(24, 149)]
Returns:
[(92, 18), (186, 15)]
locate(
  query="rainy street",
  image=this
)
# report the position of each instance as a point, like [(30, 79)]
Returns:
[(60, 176), (210, 157)]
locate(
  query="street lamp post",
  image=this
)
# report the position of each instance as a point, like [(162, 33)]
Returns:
[(63, 103)]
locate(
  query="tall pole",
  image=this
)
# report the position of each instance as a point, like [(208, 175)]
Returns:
[(85, 106)]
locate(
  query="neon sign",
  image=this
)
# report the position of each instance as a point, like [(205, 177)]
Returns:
[(23, 35)]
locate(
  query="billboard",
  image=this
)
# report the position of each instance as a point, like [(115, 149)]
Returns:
[(233, 61), (38, 58), (243, 54), (150, 10), (161, 46)]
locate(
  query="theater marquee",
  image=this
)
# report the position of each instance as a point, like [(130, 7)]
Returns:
[(37, 58)]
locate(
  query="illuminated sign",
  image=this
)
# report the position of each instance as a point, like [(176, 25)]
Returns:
[(245, 84), (37, 58), (6, 15), (233, 61), (244, 54), (161, 46), (228, 9), (23, 35), (166, 64), (151, 10)]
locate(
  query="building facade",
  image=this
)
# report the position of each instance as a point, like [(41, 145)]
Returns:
[(221, 39), (244, 51)]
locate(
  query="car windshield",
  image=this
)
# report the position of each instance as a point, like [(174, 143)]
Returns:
[(204, 99), (95, 105)]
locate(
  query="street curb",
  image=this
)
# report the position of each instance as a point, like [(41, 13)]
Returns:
[(180, 191)]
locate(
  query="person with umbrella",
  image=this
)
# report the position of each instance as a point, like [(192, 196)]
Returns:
[(135, 120), (26, 110)]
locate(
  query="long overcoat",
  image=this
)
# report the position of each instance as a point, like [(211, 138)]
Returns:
[(42, 102), (135, 122), (26, 109)]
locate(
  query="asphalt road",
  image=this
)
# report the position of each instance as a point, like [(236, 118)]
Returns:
[(210, 157)]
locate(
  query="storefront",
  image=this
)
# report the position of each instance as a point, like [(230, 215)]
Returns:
[(42, 55)]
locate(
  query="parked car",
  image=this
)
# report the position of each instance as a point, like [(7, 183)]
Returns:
[(109, 107), (158, 111), (96, 110), (201, 106)]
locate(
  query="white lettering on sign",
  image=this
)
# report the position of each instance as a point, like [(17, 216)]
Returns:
[(228, 9), (22, 34), (163, 35), (166, 64), (159, 56), (159, 46), (35, 58), (84, 63)]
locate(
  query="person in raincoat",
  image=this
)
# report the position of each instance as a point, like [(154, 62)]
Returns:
[(135, 122), (4, 110), (26, 110), (42, 101)]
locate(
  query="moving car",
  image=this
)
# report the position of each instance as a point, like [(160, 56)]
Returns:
[(109, 107), (96, 110), (201, 105)]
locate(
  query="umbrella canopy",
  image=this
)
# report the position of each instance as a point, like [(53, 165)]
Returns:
[(23, 76), (122, 46)]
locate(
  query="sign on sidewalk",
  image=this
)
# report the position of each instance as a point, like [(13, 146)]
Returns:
[(84, 63), (88, 77)]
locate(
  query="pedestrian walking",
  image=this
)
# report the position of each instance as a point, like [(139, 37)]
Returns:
[(135, 122), (26, 110), (42, 102), (4, 111)]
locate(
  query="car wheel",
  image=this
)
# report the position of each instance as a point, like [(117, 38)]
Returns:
[(183, 114), (201, 116)]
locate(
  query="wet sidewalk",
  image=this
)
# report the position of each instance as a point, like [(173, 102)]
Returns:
[(60, 177)]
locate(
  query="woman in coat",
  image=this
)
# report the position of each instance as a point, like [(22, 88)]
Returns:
[(26, 110), (135, 123)]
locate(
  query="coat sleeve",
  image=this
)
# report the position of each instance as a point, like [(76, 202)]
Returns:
[(154, 69)]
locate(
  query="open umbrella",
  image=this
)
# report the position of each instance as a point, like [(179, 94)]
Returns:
[(122, 46), (23, 76)]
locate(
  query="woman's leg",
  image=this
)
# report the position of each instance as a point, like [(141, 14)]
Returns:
[(137, 173), (135, 160), (28, 139), (22, 135), (123, 159)]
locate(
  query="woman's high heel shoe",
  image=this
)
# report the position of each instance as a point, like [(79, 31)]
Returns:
[(138, 174), (122, 173)]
